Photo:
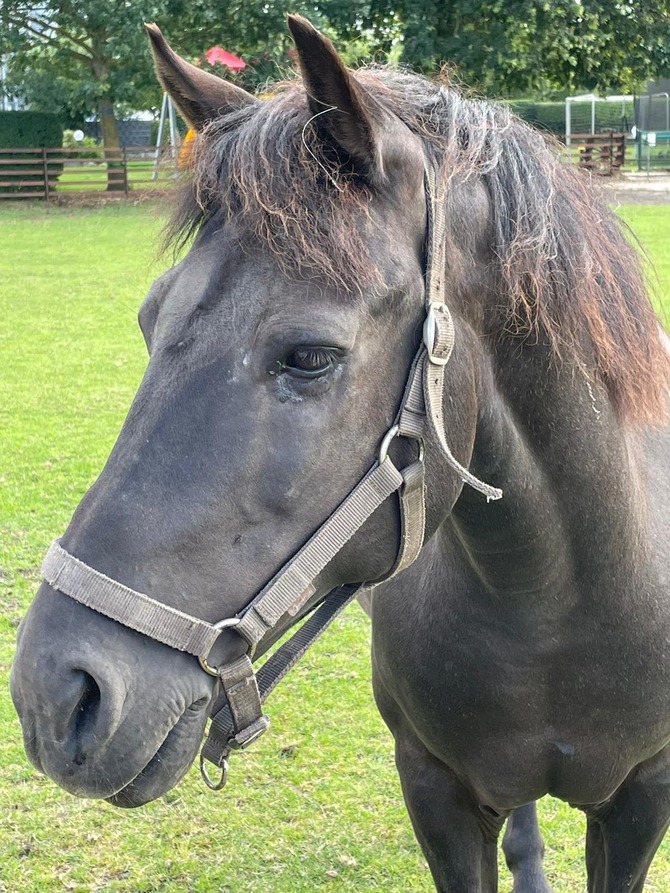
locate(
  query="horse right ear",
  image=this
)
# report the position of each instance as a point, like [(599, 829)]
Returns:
[(199, 96), (341, 109)]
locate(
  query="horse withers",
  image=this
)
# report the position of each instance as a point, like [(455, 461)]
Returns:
[(523, 650)]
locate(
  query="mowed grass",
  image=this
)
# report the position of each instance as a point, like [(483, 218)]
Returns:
[(315, 805), (92, 177), (651, 226)]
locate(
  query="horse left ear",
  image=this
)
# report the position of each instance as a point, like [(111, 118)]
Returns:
[(347, 114), (199, 96)]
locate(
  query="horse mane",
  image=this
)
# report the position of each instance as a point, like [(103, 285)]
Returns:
[(566, 269)]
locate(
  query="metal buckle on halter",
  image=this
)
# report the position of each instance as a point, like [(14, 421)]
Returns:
[(222, 624), (389, 437), (437, 316), (251, 733)]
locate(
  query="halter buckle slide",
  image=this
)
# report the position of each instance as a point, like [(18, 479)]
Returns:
[(438, 316), (251, 733)]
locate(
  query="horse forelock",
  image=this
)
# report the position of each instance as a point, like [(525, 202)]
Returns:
[(266, 169), (564, 266)]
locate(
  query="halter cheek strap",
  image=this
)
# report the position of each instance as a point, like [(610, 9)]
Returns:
[(240, 720)]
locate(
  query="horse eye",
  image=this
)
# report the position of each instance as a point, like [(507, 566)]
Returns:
[(309, 362)]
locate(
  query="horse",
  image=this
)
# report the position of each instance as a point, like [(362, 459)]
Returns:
[(520, 645)]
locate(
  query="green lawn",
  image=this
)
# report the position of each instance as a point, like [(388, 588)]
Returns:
[(651, 225), (93, 177), (316, 805)]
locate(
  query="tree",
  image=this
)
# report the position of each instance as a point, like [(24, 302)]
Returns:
[(88, 53), (511, 47), (620, 44), (79, 56)]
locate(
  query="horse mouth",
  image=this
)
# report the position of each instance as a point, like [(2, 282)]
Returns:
[(169, 764)]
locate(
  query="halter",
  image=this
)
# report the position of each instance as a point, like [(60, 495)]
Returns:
[(237, 718)]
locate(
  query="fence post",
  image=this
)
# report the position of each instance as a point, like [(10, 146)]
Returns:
[(125, 171), (45, 171)]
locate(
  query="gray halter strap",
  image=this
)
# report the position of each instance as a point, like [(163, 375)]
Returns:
[(240, 720)]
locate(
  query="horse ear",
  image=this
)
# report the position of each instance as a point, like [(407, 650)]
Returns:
[(347, 115), (199, 96)]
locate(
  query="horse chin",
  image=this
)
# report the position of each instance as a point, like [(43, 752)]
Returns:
[(168, 766)]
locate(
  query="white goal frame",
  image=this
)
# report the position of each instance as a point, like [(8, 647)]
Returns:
[(592, 99)]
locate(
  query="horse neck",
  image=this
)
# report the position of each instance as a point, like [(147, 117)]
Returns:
[(571, 510)]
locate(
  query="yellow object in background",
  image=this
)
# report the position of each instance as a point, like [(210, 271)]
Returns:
[(186, 149)]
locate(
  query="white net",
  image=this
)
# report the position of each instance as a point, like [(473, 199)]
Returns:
[(601, 115)]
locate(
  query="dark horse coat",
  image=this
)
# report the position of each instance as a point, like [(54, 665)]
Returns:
[(527, 650)]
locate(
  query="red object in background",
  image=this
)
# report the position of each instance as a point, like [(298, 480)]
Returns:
[(217, 54)]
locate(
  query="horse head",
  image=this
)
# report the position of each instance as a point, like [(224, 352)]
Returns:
[(279, 348)]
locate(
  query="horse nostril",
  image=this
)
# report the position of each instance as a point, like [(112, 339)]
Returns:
[(84, 716)]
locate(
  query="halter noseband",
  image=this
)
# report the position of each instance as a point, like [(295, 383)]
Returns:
[(240, 719)]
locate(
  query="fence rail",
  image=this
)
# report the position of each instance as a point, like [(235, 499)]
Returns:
[(601, 153), (49, 173)]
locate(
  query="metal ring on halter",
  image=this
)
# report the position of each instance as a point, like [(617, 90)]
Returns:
[(214, 785), (389, 437), (222, 624)]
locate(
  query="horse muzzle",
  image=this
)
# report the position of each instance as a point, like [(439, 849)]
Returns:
[(124, 727)]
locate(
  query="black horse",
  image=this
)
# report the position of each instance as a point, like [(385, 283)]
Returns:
[(527, 650)]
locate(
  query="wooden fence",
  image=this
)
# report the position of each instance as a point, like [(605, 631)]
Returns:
[(52, 173), (601, 153), (49, 173)]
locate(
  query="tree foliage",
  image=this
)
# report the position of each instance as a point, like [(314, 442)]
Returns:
[(92, 55), (73, 56), (78, 56), (511, 47)]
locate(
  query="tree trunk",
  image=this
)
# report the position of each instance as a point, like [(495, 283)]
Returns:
[(116, 172)]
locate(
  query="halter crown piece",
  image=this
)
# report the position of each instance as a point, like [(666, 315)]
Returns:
[(237, 717)]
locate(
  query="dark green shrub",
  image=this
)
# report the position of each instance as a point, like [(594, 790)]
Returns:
[(29, 130), (41, 130), (548, 116)]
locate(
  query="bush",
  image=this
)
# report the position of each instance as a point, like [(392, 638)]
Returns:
[(544, 115), (91, 145), (40, 130), (18, 130)]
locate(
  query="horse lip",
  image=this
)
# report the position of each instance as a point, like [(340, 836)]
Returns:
[(153, 780), (81, 779), (30, 744)]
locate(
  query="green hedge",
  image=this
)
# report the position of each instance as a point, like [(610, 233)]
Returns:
[(27, 129), (18, 130), (545, 115)]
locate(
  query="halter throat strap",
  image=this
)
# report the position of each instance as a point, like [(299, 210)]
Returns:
[(240, 720)]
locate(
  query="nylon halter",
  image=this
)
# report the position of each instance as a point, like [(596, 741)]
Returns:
[(237, 718)]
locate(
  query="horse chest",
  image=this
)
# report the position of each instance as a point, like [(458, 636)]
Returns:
[(520, 709)]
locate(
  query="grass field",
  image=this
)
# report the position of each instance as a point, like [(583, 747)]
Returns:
[(93, 177), (316, 805)]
